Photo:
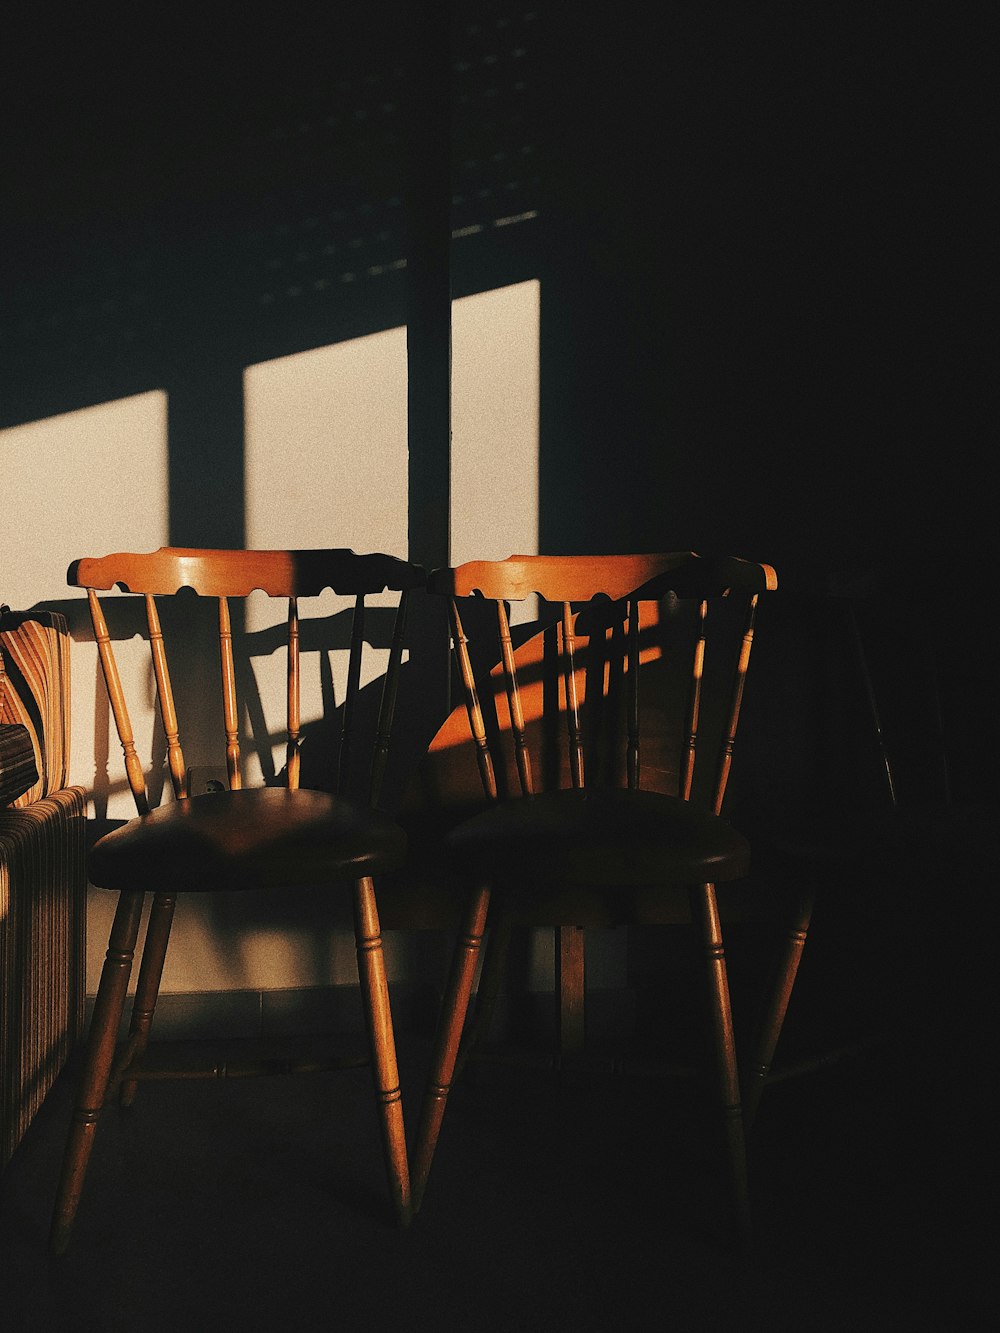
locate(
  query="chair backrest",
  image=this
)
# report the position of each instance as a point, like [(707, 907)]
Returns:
[(572, 710), (236, 574)]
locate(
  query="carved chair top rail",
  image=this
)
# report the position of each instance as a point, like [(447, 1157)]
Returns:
[(222, 573), (580, 578)]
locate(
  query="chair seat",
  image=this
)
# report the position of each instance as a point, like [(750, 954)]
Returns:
[(599, 837), (256, 838)]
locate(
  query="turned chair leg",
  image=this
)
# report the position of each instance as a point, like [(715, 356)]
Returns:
[(776, 1007), (375, 995), (94, 1079), (451, 1023), (706, 912), (154, 950), (494, 952)]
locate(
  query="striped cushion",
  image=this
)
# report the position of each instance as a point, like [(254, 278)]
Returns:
[(34, 692), (42, 960), (18, 771)]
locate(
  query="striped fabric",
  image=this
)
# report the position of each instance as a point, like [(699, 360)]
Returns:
[(18, 770), (42, 875), (35, 693), (42, 964)]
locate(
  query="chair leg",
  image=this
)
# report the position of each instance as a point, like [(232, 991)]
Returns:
[(447, 1040), (375, 994), (494, 952), (161, 915), (94, 1079), (776, 1008), (706, 913)]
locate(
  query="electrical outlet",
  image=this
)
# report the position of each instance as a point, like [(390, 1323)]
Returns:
[(205, 778)]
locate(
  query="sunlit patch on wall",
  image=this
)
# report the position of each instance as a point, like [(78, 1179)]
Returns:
[(86, 483), (75, 482), (495, 393), (326, 447)]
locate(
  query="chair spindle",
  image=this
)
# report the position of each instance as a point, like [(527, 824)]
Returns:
[(387, 703), (572, 703), (483, 757), (633, 750), (164, 693), (292, 756), (133, 766), (615, 731), (350, 697), (694, 705), (229, 709), (521, 754), (596, 678)]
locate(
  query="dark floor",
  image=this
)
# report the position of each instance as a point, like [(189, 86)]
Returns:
[(259, 1204)]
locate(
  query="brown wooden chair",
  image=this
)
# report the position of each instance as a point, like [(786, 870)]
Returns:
[(252, 838), (596, 812), (874, 816)]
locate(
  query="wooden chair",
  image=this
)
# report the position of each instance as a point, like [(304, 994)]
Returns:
[(881, 819), (238, 839), (596, 812)]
